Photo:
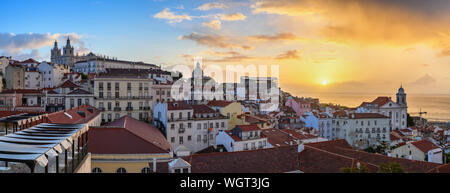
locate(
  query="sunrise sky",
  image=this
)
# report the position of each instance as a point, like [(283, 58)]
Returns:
[(320, 45)]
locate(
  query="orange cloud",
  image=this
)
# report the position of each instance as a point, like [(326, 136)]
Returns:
[(279, 36), (172, 17), (213, 41)]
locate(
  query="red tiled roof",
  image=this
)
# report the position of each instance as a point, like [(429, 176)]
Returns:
[(222, 103), (367, 116), (341, 147), (380, 101), (68, 84), (202, 109), (29, 61), (441, 169), (249, 127), (393, 137), (75, 118), (178, 105), (79, 91), (132, 136), (340, 114), (7, 113), (278, 138), (315, 160), (424, 145), (22, 91), (273, 160), (299, 135)]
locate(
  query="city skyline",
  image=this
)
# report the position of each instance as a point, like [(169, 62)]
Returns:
[(320, 46)]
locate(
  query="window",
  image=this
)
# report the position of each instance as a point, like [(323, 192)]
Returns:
[(97, 170), (146, 170), (185, 170), (189, 138), (189, 125), (129, 86), (121, 171), (172, 139), (199, 138), (181, 140)]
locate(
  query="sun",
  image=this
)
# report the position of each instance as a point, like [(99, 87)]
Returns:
[(324, 82)]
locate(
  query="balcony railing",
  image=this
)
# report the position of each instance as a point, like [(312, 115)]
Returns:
[(117, 109), (181, 130), (129, 109)]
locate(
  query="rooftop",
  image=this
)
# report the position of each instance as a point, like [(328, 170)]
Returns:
[(273, 160), (127, 136)]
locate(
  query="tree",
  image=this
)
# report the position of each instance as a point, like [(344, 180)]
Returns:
[(361, 169), (410, 121), (391, 168)]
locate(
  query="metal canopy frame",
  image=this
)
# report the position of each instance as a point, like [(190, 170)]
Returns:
[(34, 145)]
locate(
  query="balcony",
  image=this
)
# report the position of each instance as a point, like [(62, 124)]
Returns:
[(147, 108), (181, 130), (117, 109), (101, 108), (129, 109)]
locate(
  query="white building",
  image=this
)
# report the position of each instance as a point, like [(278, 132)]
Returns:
[(321, 122), (4, 62), (52, 74), (422, 150), (242, 138), (397, 111), (78, 98), (192, 126), (100, 64), (362, 130), (32, 79)]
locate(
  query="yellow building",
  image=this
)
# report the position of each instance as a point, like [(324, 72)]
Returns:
[(128, 146), (229, 109)]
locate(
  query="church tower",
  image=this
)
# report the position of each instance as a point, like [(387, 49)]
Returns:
[(68, 50), (55, 52), (401, 96)]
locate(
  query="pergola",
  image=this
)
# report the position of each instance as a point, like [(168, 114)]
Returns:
[(22, 121), (40, 143)]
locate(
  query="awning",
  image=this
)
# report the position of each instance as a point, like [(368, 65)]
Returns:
[(33, 146)]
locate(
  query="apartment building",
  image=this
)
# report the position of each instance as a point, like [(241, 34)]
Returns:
[(118, 95), (362, 130), (192, 126), (243, 138)]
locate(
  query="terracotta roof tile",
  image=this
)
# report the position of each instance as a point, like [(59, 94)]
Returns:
[(424, 145), (273, 160), (221, 103)]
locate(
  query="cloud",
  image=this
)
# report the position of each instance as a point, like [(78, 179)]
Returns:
[(231, 17), (213, 41), (208, 6), (16, 45), (288, 55), (279, 36), (400, 22), (172, 17), (213, 24), (444, 52), (424, 80)]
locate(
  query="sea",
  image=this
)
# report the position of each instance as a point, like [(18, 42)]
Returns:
[(436, 106)]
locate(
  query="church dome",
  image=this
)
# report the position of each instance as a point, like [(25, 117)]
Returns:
[(401, 90)]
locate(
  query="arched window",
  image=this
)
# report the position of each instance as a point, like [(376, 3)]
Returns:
[(121, 171), (146, 170), (97, 170)]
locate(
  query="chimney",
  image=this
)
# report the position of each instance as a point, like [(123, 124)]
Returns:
[(154, 165), (300, 148)]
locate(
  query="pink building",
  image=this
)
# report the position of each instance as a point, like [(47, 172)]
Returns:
[(299, 105)]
